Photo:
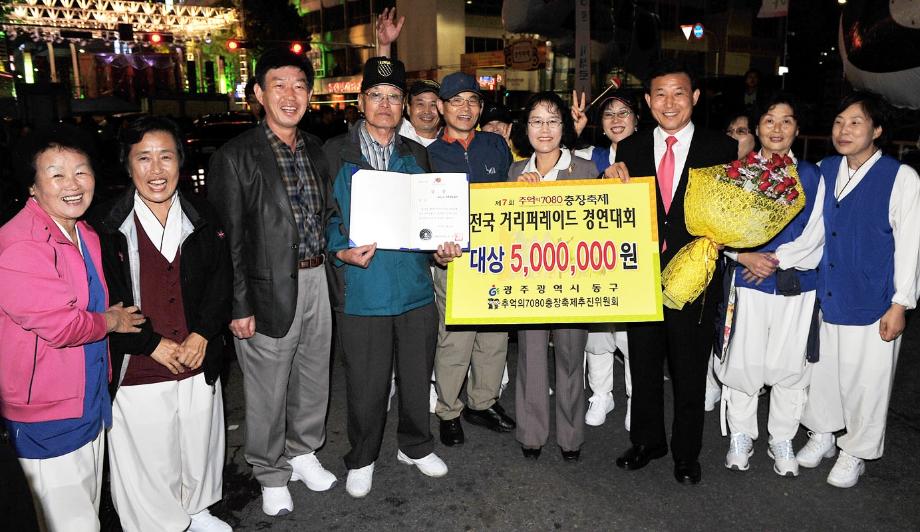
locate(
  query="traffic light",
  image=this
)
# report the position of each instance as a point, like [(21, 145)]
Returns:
[(233, 45), (155, 38), (296, 47)]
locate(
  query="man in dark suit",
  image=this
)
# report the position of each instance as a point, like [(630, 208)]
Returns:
[(271, 188), (685, 336)]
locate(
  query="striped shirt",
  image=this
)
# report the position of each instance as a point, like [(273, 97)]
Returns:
[(302, 185), (378, 155)]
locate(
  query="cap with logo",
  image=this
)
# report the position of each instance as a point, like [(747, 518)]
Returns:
[(384, 71), (494, 111), (424, 85), (454, 84)]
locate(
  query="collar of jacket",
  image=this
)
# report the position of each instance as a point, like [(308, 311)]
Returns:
[(47, 229), (124, 206), (351, 151)]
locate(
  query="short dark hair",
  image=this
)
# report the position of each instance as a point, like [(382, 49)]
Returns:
[(134, 131), (741, 114), (669, 66), (875, 107), (250, 90), (777, 99), (280, 58), (60, 137), (551, 99)]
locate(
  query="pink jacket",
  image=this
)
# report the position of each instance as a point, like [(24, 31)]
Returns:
[(43, 321)]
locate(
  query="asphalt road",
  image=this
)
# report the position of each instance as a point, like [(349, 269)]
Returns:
[(491, 486)]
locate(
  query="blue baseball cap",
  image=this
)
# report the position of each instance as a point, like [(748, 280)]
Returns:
[(454, 84)]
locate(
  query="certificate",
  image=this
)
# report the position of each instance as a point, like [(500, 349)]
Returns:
[(409, 211)]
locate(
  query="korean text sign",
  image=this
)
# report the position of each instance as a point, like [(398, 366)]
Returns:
[(582, 251)]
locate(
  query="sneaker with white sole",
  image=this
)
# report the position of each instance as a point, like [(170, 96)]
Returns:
[(307, 469), (599, 406), (203, 521), (820, 445), (277, 501), (784, 462), (713, 396), (359, 481), (740, 449), (845, 473), (429, 465), (432, 399)]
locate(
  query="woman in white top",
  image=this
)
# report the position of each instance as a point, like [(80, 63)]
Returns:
[(775, 303), (547, 139), (868, 278), (618, 121)]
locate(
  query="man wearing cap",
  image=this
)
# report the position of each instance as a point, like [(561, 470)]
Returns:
[(384, 300), (485, 158), (422, 111), (270, 186)]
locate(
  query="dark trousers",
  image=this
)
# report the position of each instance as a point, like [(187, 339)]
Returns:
[(370, 345), (684, 339)]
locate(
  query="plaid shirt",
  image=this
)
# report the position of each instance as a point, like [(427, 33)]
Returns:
[(302, 185), (378, 155)]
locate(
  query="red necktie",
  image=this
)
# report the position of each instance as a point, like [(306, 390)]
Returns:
[(666, 173), (666, 179)]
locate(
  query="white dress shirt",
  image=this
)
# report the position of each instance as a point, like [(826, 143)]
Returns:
[(565, 159), (681, 150), (904, 217)]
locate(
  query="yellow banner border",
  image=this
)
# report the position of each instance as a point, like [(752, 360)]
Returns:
[(656, 316)]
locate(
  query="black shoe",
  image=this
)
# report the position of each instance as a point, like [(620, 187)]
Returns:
[(531, 453), (571, 456), (451, 432), (638, 456), (493, 418), (687, 471)]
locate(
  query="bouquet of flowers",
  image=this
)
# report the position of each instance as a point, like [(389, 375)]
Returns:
[(740, 205)]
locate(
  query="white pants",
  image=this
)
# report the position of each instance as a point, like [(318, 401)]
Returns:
[(599, 359), (166, 452), (66, 489), (851, 387), (768, 349)]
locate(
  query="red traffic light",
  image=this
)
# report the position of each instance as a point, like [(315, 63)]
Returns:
[(156, 38), (233, 45), (296, 47)]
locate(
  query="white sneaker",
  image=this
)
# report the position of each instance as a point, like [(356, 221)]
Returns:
[(432, 399), (358, 483), (203, 521), (846, 471), (599, 406), (740, 449), (628, 412), (820, 445), (713, 396), (277, 501), (430, 465), (784, 462), (307, 469)]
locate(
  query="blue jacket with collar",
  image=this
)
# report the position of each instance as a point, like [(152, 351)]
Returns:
[(486, 161)]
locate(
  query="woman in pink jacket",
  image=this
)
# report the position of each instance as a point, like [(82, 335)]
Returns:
[(54, 365)]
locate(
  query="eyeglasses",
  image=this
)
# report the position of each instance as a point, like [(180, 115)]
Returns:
[(378, 97), (553, 123), (737, 131), (459, 101), (622, 114)]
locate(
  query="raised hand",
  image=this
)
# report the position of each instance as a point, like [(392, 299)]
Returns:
[(578, 113)]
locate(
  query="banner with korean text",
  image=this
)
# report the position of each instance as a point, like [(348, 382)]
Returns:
[(558, 252)]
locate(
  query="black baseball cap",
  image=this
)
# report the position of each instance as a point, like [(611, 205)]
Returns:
[(424, 85), (494, 111), (384, 71)]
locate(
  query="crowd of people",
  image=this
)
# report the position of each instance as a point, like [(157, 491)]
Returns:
[(139, 291)]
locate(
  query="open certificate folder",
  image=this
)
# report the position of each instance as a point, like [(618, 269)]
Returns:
[(409, 211)]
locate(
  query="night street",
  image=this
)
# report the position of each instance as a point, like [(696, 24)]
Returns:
[(491, 486)]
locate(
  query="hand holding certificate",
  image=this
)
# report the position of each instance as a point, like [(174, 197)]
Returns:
[(409, 211)]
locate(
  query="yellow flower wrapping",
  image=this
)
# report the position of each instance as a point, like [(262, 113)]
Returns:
[(721, 213)]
